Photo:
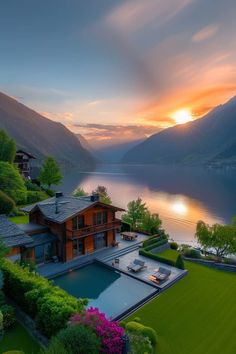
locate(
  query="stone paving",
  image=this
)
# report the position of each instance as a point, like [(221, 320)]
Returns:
[(152, 267)]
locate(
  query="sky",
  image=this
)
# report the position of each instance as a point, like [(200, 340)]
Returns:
[(118, 70)]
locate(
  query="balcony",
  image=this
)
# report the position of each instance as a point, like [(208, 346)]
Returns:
[(94, 229)]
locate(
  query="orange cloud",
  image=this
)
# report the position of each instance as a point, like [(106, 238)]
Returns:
[(205, 33)]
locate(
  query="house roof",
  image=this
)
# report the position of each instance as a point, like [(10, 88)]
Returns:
[(11, 234), (67, 207), (26, 153), (41, 239)]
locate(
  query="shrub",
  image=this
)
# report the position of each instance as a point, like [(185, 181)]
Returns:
[(11, 182), (179, 262), (76, 340), (14, 352), (1, 324), (32, 186), (49, 305), (174, 245), (154, 239), (139, 344), (191, 253), (7, 204), (2, 299), (148, 254), (49, 192), (55, 347), (8, 316), (35, 196), (138, 328), (109, 332)]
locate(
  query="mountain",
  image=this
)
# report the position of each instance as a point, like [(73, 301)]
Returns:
[(41, 136), (114, 153), (209, 140)]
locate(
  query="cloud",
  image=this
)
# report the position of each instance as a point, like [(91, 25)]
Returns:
[(205, 33)]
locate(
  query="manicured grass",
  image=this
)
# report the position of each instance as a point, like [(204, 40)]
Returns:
[(197, 315), (17, 338), (169, 254), (20, 219)]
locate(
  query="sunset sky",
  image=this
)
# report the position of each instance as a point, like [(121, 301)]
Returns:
[(138, 65)]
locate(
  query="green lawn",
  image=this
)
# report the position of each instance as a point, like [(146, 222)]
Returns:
[(17, 338), (195, 316), (169, 254), (20, 219)]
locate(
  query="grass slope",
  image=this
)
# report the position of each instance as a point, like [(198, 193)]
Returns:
[(17, 338), (197, 315), (20, 219)]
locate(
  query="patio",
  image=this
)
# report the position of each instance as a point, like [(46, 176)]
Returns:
[(152, 267), (104, 254)]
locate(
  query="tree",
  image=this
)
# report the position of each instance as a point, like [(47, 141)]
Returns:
[(103, 194), (7, 147), (150, 223), (221, 238), (50, 173), (79, 192), (7, 204), (135, 213), (179, 262), (12, 183)]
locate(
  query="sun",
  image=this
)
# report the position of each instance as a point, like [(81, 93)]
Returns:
[(182, 116)]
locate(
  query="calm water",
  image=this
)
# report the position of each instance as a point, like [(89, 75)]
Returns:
[(112, 292), (181, 195)]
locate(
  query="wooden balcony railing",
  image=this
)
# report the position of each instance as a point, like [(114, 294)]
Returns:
[(89, 230)]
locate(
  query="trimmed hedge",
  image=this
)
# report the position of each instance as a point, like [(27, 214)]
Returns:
[(155, 245), (49, 305), (153, 239), (148, 254)]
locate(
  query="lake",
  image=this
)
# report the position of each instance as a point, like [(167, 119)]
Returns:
[(180, 195)]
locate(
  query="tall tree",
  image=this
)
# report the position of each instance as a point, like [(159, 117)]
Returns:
[(221, 238), (12, 183), (50, 173), (103, 194), (134, 215), (150, 223), (7, 147)]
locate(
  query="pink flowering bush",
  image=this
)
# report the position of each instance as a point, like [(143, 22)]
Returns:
[(110, 333)]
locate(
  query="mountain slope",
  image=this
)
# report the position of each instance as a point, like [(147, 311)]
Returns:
[(41, 136), (205, 140)]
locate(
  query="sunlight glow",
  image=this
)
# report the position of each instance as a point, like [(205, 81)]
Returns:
[(182, 116), (179, 208)]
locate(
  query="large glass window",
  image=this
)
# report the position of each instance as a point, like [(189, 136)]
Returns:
[(100, 218), (78, 247), (43, 253), (100, 240), (78, 222)]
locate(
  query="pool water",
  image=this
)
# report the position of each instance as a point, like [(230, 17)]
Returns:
[(109, 290)]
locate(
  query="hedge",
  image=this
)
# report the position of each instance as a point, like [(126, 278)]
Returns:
[(148, 254), (49, 305), (153, 239), (155, 245)]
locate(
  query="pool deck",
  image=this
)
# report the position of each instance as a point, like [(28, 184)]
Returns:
[(151, 267), (105, 254)]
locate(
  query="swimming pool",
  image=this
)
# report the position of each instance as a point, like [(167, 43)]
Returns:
[(111, 291)]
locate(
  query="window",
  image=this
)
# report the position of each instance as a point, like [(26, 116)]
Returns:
[(100, 218), (78, 247), (78, 222)]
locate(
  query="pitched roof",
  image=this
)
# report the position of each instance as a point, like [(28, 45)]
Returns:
[(67, 207), (11, 234), (41, 239), (26, 153)]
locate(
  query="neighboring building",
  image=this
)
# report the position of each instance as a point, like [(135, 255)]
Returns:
[(23, 162), (66, 227)]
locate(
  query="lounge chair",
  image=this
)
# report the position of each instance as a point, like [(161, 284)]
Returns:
[(161, 275), (136, 265)]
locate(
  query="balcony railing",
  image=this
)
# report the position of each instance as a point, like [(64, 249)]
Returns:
[(89, 230)]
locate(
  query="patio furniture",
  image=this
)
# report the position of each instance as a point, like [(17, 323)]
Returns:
[(117, 261), (161, 275), (136, 265), (129, 236)]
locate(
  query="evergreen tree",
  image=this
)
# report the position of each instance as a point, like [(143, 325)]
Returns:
[(50, 173), (103, 194), (179, 262), (7, 147)]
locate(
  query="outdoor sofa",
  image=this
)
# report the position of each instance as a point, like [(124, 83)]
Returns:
[(161, 275), (136, 265)]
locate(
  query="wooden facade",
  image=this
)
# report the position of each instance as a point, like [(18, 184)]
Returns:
[(23, 162), (84, 233)]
